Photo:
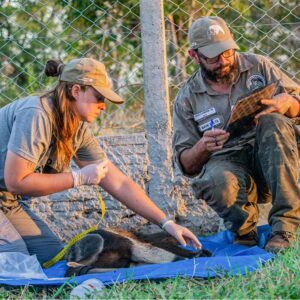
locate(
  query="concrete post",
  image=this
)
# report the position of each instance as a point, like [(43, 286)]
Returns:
[(157, 108)]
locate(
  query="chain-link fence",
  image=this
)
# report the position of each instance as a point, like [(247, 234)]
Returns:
[(32, 32), (270, 28)]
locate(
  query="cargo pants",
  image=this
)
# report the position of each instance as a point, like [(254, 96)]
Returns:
[(23, 231), (233, 183)]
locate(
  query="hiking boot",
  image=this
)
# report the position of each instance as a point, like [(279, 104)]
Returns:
[(280, 240), (248, 239)]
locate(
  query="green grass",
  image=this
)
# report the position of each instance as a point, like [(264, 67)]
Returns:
[(277, 279)]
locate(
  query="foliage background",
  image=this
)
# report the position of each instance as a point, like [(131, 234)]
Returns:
[(31, 32)]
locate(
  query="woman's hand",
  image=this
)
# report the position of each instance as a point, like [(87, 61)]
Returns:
[(182, 235), (90, 174)]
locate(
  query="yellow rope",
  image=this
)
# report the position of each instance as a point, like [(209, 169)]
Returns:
[(78, 237)]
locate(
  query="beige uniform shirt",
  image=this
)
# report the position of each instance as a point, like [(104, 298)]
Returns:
[(197, 104)]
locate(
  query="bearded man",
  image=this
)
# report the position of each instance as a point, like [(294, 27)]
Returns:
[(233, 175)]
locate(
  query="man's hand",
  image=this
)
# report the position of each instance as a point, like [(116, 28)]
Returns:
[(193, 159), (214, 139), (282, 103)]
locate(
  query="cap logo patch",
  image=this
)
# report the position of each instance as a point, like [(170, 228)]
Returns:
[(214, 30), (87, 80)]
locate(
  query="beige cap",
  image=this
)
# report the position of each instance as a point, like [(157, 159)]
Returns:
[(211, 36), (88, 71)]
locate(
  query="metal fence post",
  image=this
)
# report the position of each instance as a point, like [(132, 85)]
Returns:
[(156, 101)]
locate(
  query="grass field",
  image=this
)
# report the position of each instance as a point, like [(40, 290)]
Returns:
[(277, 279)]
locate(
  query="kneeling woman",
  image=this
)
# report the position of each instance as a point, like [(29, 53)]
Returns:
[(38, 138)]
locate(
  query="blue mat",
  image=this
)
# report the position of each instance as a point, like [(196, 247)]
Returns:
[(228, 259)]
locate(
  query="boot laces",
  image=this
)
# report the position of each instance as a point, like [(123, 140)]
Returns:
[(284, 234)]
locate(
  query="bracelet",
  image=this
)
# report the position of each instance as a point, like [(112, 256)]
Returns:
[(77, 178), (164, 222)]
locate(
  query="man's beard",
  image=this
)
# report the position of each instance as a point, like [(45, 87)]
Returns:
[(215, 76)]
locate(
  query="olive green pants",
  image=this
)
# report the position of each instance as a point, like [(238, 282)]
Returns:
[(233, 183), (23, 231)]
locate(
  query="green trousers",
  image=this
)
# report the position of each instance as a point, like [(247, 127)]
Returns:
[(233, 183), (23, 231)]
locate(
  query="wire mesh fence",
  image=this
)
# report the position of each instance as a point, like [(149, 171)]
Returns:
[(32, 32), (270, 28)]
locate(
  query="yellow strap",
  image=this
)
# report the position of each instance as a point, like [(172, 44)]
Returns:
[(78, 237)]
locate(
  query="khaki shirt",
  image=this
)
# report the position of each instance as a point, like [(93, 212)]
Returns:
[(197, 104)]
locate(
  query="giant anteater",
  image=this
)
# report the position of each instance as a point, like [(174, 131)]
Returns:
[(104, 250)]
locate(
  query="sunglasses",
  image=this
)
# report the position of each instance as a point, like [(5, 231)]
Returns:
[(98, 96), (213, 60)]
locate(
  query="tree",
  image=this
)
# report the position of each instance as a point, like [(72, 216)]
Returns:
[(32, 32)]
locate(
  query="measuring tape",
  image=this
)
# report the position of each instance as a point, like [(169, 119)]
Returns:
[(78, 237)]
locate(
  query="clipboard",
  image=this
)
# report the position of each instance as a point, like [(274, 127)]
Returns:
[(247, 107)]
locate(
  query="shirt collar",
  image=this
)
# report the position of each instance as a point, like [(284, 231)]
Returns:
[(243, 62)]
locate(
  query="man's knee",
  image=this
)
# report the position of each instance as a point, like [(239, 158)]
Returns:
[(272, 119), (219, 189), (276, 134), (275, 131), (269, 124)]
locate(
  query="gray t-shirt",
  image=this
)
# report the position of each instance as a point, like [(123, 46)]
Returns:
[(26, 130)]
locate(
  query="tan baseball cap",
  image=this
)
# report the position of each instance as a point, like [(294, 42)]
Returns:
[(88, 71), (211, 36)]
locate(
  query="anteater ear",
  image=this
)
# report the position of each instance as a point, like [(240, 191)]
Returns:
[(86, 250)]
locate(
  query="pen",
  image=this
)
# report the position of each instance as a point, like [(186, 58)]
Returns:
[(211, 124)]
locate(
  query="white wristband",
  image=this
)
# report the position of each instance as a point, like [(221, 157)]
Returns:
[(77, 178), (166, 223)]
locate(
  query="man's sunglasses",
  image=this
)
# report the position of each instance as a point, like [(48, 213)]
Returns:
[(213, 60)]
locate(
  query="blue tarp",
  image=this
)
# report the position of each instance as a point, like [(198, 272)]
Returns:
[(227, 259)]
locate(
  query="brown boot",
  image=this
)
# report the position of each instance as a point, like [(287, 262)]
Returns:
[(280, 240), (249, 239)]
